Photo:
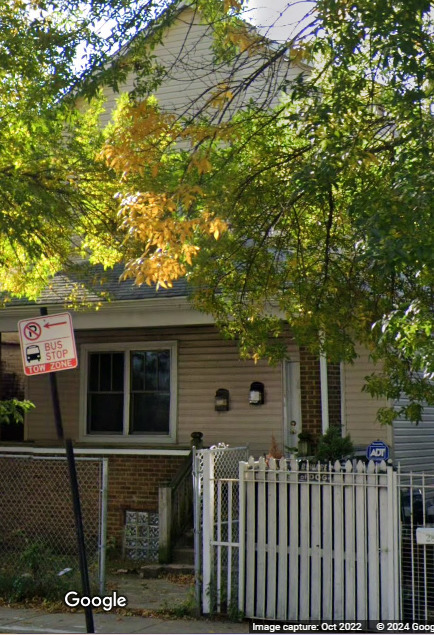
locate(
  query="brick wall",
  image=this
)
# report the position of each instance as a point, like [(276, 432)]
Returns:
[(310, 388), (133, 483), (310, 381), (334, 391)]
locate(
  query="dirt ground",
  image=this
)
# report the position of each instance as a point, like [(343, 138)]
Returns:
[(172, 592)]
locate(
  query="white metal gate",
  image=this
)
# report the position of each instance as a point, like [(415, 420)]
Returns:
[(292, 541), (417, 546), (216, 525), (296, 541), (320, 542)]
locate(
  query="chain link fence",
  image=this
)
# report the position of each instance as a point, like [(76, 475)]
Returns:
[(224, 465), (38, 542)]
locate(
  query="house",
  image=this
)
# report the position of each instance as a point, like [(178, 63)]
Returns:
[(151, 368)]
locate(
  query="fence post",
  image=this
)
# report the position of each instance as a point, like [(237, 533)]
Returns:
[(361, 542), (261, 524), (241, 534), (271, 540), (164, 520), (197, 525), (385, 548), (208, 530), (103, 527), (283, 550), (250, 565), (394, 564)]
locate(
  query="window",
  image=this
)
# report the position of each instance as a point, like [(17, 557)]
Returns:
[(129, 390)]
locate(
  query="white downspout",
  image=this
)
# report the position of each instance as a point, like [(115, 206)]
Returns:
[(324, 393)]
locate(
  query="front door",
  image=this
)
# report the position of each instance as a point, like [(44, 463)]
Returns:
[(292, 404)]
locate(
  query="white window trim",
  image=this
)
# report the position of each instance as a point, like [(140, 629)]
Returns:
[(127, 347)]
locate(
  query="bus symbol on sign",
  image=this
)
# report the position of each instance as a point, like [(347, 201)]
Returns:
[(377, 451), (33, 353)]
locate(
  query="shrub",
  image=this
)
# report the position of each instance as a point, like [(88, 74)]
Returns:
[(332, 446)]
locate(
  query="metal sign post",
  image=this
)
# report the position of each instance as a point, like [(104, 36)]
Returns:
[(47, 351)]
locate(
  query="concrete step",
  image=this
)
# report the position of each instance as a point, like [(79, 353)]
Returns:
[(183, 555), (186, 540)]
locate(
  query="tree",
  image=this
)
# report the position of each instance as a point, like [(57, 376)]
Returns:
[(52, 205), (319, 193), (306, 194)]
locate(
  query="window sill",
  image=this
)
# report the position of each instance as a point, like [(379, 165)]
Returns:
[(134, 439), (96, 451)]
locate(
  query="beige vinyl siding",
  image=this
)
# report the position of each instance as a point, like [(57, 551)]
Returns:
[(206, 362), (181, 45), (39, 425), (359, 408), (192, 75), (205, 366)]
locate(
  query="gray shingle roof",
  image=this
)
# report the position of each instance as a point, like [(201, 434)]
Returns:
[(93, 284)]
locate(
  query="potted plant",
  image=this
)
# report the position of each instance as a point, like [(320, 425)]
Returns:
[(274, 452), (305, 444)]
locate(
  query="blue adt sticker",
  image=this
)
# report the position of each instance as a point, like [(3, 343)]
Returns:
[(377, 451)]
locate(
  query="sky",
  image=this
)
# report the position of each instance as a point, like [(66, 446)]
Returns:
[(278, 19)]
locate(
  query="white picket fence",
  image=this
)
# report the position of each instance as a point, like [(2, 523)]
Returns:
[(286, 541)]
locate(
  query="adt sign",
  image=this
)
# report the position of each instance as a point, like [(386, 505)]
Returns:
[(377, 451)]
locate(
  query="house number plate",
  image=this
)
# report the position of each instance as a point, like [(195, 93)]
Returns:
[(425, 536)]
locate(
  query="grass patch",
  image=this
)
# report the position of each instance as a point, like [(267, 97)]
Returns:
[(37, 572), (186, 608)]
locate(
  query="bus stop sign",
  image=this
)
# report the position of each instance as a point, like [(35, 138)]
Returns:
[(47, 344)]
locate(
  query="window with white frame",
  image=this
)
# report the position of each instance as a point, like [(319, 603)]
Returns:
[(130, 390)]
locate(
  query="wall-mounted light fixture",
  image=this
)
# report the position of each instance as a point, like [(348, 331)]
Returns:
[(257, 393), (221, 401)]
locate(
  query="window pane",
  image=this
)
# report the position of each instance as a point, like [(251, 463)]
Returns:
[(105, 372), (93, 371), (151, 370), (150, 413), (105, 413), (105, 399), (137, 370), (164, 370), (118, 372)]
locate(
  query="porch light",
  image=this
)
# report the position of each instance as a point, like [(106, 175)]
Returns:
[(221, 401), (256, 394)]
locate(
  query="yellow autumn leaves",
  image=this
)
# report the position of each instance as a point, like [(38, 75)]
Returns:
[(167, 241), (163, 218)]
